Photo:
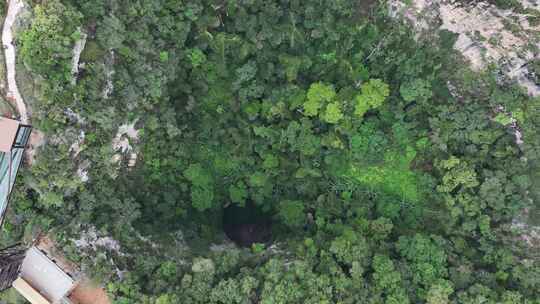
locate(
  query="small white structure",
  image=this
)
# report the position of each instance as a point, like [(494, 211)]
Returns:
[(42, 281)]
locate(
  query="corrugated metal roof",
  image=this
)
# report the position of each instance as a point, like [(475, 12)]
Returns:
[(45, 276), (8, 131)]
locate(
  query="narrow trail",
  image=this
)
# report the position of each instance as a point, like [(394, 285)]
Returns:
[(13, 94)]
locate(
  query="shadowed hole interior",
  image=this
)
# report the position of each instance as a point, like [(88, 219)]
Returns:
[(247, 225)]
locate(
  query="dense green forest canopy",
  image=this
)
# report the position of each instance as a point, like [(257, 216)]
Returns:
[(389, 171)]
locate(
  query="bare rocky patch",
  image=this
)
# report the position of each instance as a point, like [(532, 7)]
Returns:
[(77, 51), (126, 135), (486, 34)]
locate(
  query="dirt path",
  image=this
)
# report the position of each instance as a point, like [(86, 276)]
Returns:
[(13, 93), (89, 293)]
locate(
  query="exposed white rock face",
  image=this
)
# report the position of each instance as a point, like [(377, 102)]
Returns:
[(225, 246), (82, 171), (529, 234), (92, 240), (534, 4), (124, 134), (76, 147), (122, 143), (203, 265), (132, 161), (74, 117), (77, 51), (484, 38), (486, 34), (129, 130), (109, 74)]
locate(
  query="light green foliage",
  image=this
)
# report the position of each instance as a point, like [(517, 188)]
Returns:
[(416, 90), (202, 198), (300, 137), (252, 110), (196, 57), (164, 56), (393, 176), (373, 95), (503, 119), (168, 270), (201, 265), (291, 213), (52, 199), (270, 161), (12, 296), (319, 113), (350, 248), (519, 115), (46, 46), (227, 291), (457, 173), (114, 35), (167, 299), (92, 52), (238, 193), (361, 107), (333, 113), (388, 280), (381, 228), (257, 248), (318, 94), (385, 275), (202, 192), (428, 260), (198, 175), (440, 293), (368, 144), (246, 73), (492, 191), (258, 179), (277, 287), (292, 66), (422, 143)]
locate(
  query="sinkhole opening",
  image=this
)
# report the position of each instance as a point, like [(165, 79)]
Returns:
[(247, 225)]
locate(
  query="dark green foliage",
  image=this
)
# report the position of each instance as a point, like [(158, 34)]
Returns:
[(331, 119), (46, 45)]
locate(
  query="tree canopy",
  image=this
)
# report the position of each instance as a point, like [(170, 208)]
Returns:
[(333, 120)]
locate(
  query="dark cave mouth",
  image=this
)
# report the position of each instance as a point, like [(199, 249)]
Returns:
[(247, 225)]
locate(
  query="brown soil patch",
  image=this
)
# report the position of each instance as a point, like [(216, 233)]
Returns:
[(89, 293), (47, 245), (37, 139)]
